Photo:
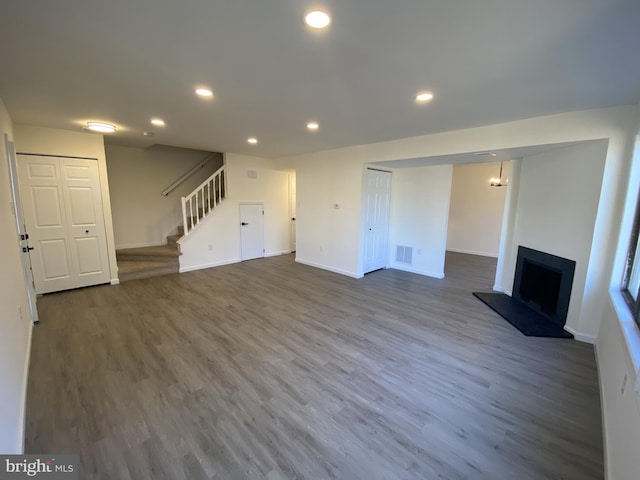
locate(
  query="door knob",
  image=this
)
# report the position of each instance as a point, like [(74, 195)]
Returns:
[(244, 223)]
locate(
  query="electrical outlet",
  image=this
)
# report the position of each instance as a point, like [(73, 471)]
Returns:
[(320, 247), (624, 385), (419, 251), (210, 247), (20, 312)]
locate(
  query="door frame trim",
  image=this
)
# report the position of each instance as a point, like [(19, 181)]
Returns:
[(54, 156)]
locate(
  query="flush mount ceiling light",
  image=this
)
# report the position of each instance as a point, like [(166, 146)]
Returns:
[(101, 127), (313, 126), (252, 140), (317, 19), (424, 97), (485, 154), (497, 181), (204, 92), (158, 122)]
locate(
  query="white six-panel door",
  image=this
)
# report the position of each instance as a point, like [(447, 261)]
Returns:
[(62, 204), (377, 198)]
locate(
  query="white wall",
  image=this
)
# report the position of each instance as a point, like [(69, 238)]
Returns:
[(15, 332), (621, 411), (618, 349), (475, 215), (217, 240), (419, 215), (327, 237), (137, 176), (51, 141), (558, 196)]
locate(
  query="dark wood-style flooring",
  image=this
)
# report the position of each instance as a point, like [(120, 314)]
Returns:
[(272, 369)]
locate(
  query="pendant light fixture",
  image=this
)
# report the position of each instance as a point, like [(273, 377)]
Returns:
[(497, 182)]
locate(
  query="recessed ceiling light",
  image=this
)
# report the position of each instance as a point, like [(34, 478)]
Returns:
[(317, 19), (423, 97), (204, 92), (313, 125), (149, 134), (252, 140), (158, 122), (101, 127)]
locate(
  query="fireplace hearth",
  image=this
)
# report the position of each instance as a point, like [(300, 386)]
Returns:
[(540, 297)]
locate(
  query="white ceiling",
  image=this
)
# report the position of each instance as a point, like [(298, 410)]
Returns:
[(487, 61)]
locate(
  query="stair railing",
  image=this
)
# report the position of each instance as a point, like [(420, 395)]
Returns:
[(200, 203), (187, 175)]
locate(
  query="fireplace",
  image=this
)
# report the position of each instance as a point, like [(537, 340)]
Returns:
[(543, 283), (541, 292)]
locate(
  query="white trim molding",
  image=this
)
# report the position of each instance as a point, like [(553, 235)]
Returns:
[(330, 269), (209, 265), (25, 382), (439, 275)]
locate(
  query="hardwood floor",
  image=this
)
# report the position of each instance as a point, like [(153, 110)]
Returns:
[(272, 369)]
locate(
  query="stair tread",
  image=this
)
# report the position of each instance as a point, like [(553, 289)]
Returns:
[(157, 251), (137, 266), (128, 271)]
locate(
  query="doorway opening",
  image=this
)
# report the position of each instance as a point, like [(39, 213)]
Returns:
[(476, 211)]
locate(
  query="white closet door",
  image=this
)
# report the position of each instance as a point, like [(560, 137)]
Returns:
[(252, 231)]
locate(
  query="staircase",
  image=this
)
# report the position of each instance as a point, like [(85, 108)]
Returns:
[(145, 262)]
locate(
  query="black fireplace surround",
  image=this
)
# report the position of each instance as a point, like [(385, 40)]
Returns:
[(541, 292), (543, 283)]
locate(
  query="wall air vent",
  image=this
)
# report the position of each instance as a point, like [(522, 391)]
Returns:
[(404, 254)]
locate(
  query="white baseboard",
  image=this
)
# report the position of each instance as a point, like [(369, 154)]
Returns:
[(496, 288), (581, 337), (209, 265), (115, 281), (275, 254), (396, 266), (603, 416), (473, 252), (326, 267), (226, 262), (25, 380), (140, 245)]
